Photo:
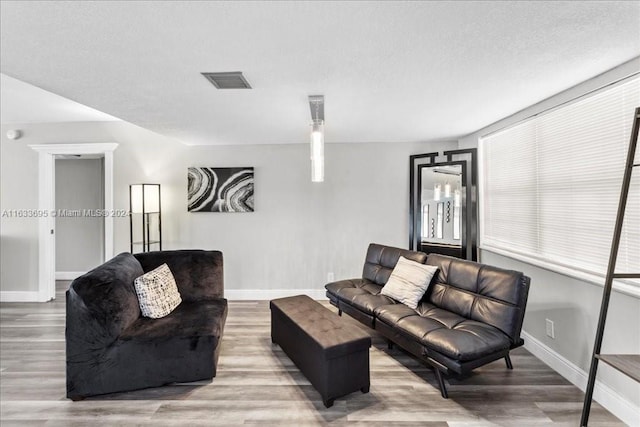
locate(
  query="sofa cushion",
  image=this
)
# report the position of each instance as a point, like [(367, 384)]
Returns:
[(368, 303), (157, 292), (480, 292), (346, 290), (189, 320), (408, 281), (381, 260), (437, 329)]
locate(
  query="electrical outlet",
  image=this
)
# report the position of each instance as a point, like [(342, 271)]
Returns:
[(330, 277), (551, 333)]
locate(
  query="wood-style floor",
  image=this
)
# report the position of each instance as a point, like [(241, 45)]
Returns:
[(258, 385)]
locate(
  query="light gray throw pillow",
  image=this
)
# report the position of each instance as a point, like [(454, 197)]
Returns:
[(157, 292), (408, 282)]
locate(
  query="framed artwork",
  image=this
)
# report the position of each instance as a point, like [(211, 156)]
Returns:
[(220, 189)]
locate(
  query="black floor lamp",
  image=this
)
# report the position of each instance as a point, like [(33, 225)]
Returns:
[(144, 217)]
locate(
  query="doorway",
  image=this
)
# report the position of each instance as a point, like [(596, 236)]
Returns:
[(79, 207), (47, 206)]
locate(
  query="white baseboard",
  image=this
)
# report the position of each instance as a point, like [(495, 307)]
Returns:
[(20, 296), (268, 294), (68, 275), (607, 397)]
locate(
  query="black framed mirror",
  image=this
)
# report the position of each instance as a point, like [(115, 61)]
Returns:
[(443, 203)]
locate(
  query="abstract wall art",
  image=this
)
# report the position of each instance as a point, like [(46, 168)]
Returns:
[(220, 189)]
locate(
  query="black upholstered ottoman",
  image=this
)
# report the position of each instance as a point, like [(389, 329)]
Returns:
[(332, 355)]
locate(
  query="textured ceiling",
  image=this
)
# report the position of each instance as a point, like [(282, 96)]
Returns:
[(389, 71), (24, 103)]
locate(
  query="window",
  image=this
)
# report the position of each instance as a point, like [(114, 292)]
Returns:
[(551, 184)]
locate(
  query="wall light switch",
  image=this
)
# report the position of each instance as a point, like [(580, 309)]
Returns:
[(551, 333)]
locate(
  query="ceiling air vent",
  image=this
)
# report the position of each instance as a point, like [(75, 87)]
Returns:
[(229, 80)]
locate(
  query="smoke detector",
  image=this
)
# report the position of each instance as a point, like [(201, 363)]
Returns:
[(14, 134)]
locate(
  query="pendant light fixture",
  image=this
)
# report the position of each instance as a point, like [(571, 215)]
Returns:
[(457, 197), (316, 104), (437, 192), (447, 190)]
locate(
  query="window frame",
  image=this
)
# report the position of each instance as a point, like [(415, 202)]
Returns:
[(628, 287)]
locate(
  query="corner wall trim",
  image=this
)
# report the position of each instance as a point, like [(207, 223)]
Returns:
[(68, 275), (607, 397), (20, 296), (268, 294)]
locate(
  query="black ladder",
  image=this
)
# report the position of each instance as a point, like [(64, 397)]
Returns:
[(628, 364)]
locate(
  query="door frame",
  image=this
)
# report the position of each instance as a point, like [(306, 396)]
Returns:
[(46, 205)]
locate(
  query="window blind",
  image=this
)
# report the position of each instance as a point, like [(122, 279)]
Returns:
[(551, 184)]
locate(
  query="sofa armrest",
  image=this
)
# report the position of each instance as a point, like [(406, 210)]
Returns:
[(103, 302), (199, 274)]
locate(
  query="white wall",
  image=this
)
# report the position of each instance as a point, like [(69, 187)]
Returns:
[(573, 304), (299, 232), (18, 235), (140, 157), (79, 239)]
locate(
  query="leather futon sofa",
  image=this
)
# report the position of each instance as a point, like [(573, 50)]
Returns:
[(471, 314), (112, 348)]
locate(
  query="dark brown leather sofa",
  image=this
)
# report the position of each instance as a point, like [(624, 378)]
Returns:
[(470, 315), (112, 348)]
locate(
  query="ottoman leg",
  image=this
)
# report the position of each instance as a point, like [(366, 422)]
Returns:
[(365, 389), (328, 403)]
